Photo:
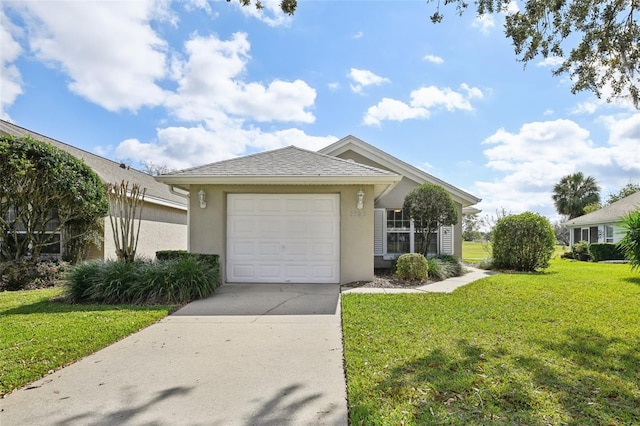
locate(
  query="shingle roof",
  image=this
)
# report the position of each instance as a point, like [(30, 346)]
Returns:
[(289, 161), (107, 170), (609, 214)]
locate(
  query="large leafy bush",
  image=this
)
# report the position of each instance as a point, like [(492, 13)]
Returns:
[(45, 191), (523, 242)]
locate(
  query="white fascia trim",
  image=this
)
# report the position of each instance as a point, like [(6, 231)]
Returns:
[(184, 182), (589, 224), (165, 203), (397, 166)]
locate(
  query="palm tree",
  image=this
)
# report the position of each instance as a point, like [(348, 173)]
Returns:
[(573, 193)]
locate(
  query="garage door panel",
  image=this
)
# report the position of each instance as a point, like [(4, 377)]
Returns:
[(242, 272), (296, 205), (323, 206), (268, 205), (324, 272), (283, 238), (324, 249), (269, 249)]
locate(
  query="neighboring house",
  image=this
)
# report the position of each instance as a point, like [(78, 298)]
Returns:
[(164, 214), (293, 215), (603, 225)]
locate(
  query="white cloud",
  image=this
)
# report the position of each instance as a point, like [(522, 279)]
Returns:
[(548, 112), (551, 61), (624, 139), (528, 163), (433, 59), (183, 147), (271, 14), (422, 101), (364, 78), (210, 85), (198, 5), (333, 86), (108, 49), (391, 109), (10, 78), (588, 107), (359, 34), (485, 23)]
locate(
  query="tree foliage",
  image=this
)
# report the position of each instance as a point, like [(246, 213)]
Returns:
[(573, 193), (625, 191), (523, 242), (630, 243), (44, 192), (430, 207), (125, 206)]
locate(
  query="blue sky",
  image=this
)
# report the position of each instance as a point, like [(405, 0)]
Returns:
[(191, 82)]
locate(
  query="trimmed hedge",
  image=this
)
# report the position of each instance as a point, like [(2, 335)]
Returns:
[(209, 259), (605, 251)]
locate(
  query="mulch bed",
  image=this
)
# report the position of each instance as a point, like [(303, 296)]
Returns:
[(384, 278)]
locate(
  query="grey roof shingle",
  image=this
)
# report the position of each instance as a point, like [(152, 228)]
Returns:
[(609, 214), (288, 161), (107, 170)]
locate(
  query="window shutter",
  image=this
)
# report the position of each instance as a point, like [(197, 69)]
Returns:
[(378, 232), (446, 246)]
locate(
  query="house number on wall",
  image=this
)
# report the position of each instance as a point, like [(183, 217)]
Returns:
[(358, 213)]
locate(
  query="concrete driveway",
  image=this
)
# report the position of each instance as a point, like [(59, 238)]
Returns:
[(259, 354)]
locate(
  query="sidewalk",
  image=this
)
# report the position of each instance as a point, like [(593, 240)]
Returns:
[(444, 286)]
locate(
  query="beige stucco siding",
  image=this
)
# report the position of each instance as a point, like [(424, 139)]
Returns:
[(209, 232), (162, 228)]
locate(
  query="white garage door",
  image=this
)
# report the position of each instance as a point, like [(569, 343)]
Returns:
[(281, 238)]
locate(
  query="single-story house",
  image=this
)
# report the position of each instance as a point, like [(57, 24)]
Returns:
[(164, 213), (293, 215), (603, 225)]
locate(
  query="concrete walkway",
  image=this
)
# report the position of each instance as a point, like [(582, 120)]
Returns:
[(444, 286), (251, 355)]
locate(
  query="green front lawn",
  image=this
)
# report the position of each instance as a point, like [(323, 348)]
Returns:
[(474, 252), (38, 336), (560, 347)]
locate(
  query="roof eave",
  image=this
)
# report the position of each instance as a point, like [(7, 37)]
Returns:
[(188, 180)]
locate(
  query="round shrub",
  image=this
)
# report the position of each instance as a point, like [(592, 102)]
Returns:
[(523, 242), (412, 266)]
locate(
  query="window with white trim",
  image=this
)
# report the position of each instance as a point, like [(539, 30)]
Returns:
[(608, 233), (396, 234), (399, 230)]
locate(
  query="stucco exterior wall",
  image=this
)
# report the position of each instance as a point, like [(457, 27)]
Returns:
[(209, 225), (162, 228)]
